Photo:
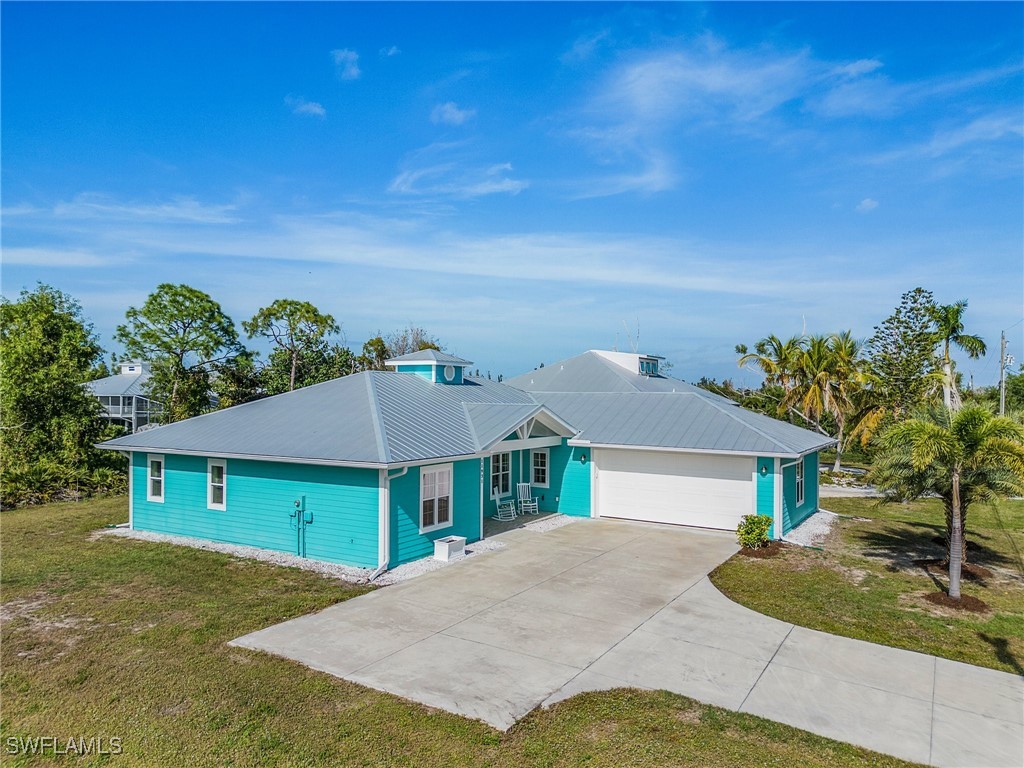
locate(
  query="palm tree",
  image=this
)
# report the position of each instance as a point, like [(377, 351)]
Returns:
[(962, 456), (776, 359), (949, 331), (828, 375)]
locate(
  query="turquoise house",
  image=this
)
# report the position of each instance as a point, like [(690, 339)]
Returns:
[(369, 469)]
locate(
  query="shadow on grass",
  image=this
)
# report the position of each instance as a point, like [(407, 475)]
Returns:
[(1001, 646), (903, 543)]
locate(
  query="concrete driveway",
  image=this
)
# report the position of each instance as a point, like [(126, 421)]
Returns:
[(602, 604)]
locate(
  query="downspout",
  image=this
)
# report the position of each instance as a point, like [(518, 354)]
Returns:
[(387, 523)]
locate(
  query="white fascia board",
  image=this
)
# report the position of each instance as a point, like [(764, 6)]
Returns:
[(661, 448)]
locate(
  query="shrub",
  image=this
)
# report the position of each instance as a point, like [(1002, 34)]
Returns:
[(752, 532)]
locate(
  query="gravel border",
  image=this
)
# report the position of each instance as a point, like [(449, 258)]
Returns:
[(550, 523), (327, 570), (348, 573), (813, 531)]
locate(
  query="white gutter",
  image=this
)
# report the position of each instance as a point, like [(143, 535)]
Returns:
[(666, 449), (384, 522)]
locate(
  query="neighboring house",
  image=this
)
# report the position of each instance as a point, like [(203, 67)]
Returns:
[(369, 469), (123, 396)]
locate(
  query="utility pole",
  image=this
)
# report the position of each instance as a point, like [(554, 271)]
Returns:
[(1002, 373)]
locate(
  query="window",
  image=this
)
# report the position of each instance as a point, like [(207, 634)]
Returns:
[(216, 484), (449, 373), (435, 497), (648, 367), (155, 479), (800, 482), (540, 468), (501, 474)]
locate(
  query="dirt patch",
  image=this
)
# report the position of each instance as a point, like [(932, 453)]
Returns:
[(22, 607), (771, 549), (688, 716), (940, 567), (601, 731), (965, 603)]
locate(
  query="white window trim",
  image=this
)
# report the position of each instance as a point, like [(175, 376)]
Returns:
[(494, 485), (451, 498), (801, 494), (547, 468), (210, 464), (150, 458)]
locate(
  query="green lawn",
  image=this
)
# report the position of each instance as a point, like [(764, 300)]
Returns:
[(864, 582), (122, 638)]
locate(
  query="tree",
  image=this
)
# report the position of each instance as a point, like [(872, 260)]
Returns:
[(962, 456), (827, 376), (237, 380), (183, 332), (314, 365), (775, 358), (901, 363), (949, 330), (375, 352), (49, 420), (410, 339), (294, 326)]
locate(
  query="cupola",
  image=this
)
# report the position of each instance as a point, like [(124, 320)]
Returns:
[(439, 367)]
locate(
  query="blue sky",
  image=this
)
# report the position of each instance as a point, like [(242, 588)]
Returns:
[(523, 180)]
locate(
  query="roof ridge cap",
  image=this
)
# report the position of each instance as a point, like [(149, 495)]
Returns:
[(615, 368), (378, 421)]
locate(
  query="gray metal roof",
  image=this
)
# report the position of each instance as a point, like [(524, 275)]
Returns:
[(429, 356), (373, 417), (121, 384), (381, 418), (590, 372), (681, 420), (612, 405)]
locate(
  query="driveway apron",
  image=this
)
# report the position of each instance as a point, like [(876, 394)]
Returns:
[(602, 604)]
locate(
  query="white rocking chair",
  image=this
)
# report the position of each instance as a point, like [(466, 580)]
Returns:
[(506, 508), (527, 504)]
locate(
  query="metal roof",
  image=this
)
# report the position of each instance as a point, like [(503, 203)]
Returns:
[(612, 405), (680, 421), (381, 418), (121, 384), (590, 372), (428, 356), (373, 417)]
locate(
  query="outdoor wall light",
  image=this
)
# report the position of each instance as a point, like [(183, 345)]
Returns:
[(583, 458), (764, 470)]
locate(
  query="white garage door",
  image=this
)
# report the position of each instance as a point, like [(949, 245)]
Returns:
[(679, 488)]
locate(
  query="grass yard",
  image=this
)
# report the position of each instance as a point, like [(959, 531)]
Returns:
[(109, 637), (865, 584)]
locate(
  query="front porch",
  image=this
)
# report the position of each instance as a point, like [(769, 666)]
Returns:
[(493, 527)]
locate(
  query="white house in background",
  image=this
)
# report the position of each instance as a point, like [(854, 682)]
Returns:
[(123, 396)]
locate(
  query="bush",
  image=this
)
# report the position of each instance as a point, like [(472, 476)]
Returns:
[(752, 532)]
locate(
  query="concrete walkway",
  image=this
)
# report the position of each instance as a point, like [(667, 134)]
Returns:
[(602, 604)]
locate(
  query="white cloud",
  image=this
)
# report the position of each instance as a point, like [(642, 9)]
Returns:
[(859, 67), (453, 170), (584, 47), (300, 106), (347, 63), (393, 50), (450, 114), (867, 205), (179, 209), (54, 257)]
